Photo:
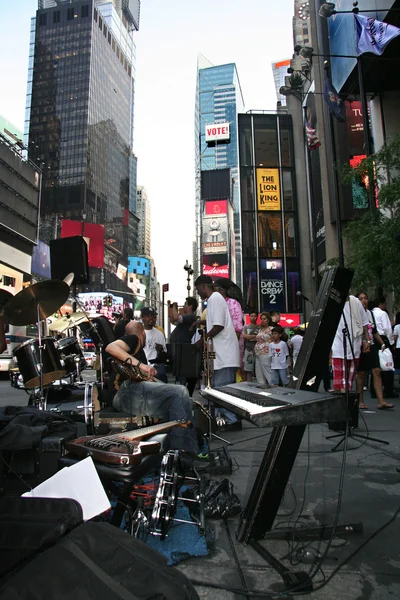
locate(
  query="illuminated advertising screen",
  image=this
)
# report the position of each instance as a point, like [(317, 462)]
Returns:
[(216, 265), (95, 304), (215, 234), (121, 272)]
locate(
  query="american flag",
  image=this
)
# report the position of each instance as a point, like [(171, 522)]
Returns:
[(312, 140)]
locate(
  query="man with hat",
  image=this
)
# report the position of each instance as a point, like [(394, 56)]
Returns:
[(154, 348)]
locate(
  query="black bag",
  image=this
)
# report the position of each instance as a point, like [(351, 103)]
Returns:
[(219, 500), (28, 525), (98, 562)]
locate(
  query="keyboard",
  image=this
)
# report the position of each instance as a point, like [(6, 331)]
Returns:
[(277, 406)]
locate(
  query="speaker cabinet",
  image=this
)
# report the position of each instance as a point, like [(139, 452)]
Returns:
[(69, 255)]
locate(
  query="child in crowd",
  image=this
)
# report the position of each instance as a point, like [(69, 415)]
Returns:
[(278, 351)]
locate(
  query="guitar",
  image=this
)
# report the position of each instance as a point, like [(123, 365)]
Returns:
[(124, 448)]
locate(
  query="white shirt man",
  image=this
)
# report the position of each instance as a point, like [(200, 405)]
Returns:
[(226, 344), (355, 317), (383, 325)]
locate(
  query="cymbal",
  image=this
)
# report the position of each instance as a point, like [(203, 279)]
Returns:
[(69, 279), (67, 321), (5, 297), (36, 301)]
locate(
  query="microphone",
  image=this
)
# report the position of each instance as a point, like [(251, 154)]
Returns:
[(301, 295)]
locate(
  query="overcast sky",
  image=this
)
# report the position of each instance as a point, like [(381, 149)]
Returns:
[(252, 34)]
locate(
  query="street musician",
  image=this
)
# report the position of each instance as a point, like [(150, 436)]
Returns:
[(143, 395)]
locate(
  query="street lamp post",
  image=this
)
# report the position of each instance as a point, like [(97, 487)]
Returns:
[(189, 271)]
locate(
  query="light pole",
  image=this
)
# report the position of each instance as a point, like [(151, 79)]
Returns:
[(189, 271)]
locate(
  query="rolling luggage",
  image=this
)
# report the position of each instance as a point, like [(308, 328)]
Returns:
[(97, 561)]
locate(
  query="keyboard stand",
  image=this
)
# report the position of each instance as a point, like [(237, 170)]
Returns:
[(207, 413)]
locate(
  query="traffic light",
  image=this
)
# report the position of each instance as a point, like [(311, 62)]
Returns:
[(107, 301)]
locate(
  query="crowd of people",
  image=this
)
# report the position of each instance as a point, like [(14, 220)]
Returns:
[(259, 349)]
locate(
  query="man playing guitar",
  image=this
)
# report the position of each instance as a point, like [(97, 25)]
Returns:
[(144, 395)]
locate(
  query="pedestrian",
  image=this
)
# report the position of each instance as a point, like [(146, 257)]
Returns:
[(295, 344), (261, 350), (369, 360), (249, 333), (279, 352), (384, 328)]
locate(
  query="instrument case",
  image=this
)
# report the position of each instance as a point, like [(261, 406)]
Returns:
[(97, 561), (28, 525)]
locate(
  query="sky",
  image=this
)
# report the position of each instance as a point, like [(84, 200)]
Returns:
[(172, 34)]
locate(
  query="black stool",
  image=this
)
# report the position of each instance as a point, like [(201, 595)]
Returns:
[(113, 475)]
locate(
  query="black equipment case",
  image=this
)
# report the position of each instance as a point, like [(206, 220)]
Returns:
[(28, 525), (97, 561)]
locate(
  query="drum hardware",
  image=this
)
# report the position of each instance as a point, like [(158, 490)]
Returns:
[(32, 305), (68, 321), (171, 478), (69, 279)]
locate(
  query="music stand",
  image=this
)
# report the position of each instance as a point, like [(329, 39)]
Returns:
[(349, 429)]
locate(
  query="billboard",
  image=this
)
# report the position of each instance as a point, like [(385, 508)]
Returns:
[(121, 271), (216, 207), (216, 265), (217, 132), (92, 232), (93, 303), (268, 189), (215, 234)]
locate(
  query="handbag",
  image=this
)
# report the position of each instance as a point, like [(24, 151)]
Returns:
[(386, 360)]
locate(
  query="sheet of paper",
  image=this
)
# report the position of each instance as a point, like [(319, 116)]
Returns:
[(79, 482)]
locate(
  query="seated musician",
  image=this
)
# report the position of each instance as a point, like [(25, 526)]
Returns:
[(148, 397)]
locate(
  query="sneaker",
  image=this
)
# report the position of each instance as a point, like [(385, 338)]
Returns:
[(236, 426)]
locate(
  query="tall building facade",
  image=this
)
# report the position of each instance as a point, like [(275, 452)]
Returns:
[(270, 232), (143, 210), (218, 101), (79, 118), (279, 72)]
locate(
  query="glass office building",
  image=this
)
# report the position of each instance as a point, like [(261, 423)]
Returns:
[(271, 265), (80, 116), (218, 100)]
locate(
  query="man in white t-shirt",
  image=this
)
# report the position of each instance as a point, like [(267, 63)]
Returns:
[(155, 348), (355, 321), (384, 328), (220, 328)]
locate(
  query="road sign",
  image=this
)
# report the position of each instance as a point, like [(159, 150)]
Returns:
[(165, 287)]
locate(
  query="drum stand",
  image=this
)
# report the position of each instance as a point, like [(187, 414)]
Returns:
[(42, 402)]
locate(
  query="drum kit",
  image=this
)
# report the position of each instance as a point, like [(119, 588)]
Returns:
[(45, 361)]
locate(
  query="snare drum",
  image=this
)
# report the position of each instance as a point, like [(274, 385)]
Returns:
[(69, 350), (28, 359)]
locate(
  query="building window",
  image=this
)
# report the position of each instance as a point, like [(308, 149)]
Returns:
[(266, 145), (70, 14), (42, 20), (290, 237), (95, 15), (85, 10), (56, 16), (270, 235), (287, 193), (100, 23)]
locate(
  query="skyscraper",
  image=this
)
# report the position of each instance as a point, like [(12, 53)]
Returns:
[(144, 214), (279, 71), (218, 101), (79, 117)]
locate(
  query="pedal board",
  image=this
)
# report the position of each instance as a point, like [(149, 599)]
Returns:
[(219, 463)]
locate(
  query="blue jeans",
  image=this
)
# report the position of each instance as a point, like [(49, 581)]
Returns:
[(279, 373), (224, 377), (162, 401)]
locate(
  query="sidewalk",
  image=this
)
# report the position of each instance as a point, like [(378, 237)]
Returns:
[(361, 568)]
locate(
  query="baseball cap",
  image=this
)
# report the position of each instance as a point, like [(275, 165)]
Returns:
[(147, 310)]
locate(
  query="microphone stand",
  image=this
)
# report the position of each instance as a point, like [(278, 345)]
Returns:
[(348, 426)]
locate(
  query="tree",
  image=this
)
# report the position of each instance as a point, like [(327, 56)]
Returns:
[(374, 244)]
